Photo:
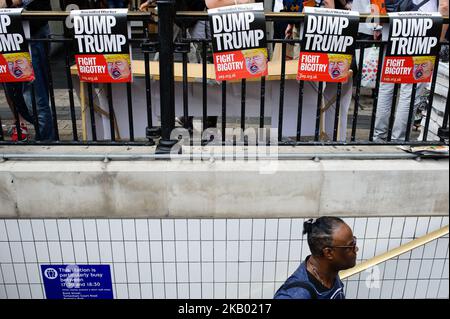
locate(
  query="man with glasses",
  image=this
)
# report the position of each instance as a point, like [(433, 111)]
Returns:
[(333, 248)]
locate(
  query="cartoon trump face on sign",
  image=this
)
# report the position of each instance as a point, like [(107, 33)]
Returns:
[(19, 65), (119, 66), (255, 60), (339, 65), (423, 67)]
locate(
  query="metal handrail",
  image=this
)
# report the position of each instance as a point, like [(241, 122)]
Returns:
[(394, 252), (138, 15), (271, 16)]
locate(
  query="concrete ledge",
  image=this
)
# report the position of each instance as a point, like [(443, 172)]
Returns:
[(137, 150), (216, 189)]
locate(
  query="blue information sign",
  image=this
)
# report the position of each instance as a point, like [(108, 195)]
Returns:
[(77, 281)]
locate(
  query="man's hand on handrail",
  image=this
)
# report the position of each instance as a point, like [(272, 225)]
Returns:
[(222, 3), (144, 6), (14, 3)]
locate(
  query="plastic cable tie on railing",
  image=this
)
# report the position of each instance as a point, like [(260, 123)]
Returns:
[(182, 47), (443, 133), (153, 132), (150, 47)]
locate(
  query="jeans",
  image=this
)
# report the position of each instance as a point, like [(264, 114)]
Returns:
[(21, 93), (116, 4), (14, 91), (401, 113), (200, 30)]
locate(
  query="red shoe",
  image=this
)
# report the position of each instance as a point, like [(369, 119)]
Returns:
[(24, 133)]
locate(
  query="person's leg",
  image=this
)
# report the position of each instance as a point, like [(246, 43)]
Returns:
[(201, 30), (40, 66), (279, 29), (14, 95), (115, 3), (402, 112), (383, 111)]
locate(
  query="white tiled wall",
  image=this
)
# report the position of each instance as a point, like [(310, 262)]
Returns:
[(247, 258)]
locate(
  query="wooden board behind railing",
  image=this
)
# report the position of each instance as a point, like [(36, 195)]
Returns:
[(195, 71), (194, 75)]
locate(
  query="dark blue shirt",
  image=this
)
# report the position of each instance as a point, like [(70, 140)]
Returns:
[(301, 275)]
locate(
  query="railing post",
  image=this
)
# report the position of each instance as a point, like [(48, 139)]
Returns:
[(166, 15)]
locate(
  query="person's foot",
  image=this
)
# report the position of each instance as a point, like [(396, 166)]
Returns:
[(182, 122), (25, 136), (212, 121), (378, 139), (179, 121)]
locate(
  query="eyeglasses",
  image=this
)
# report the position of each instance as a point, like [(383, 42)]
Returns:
[(352, 247)]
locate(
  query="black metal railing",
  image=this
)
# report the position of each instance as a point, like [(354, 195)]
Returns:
[(170, 50), (142, 44)]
